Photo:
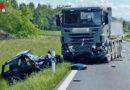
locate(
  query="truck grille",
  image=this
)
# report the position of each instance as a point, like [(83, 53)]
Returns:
[(81, 38)]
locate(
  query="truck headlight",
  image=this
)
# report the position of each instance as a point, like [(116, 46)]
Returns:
[(71, 48), (94, 46)]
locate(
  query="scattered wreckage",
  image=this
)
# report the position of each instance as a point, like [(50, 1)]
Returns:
[(25, 62)]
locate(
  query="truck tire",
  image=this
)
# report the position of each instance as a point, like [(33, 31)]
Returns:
[(119, 50), (116, 50), (108, 56), (112, 52)]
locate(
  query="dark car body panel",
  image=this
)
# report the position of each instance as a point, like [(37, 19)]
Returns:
[(24, 63)]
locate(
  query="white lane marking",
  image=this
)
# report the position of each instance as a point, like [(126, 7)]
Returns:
[(67, 81)]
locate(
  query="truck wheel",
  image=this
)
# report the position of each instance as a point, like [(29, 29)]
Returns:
[(108, 56), (65, 58), (112, 52), (47, 64), (119, 50), (116, 50)]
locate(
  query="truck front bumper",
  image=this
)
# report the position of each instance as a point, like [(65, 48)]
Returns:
[(85, 57)]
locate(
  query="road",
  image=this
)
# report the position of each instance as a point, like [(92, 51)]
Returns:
[(104, 76)]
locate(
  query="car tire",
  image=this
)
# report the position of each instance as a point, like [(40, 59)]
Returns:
[(14, 79)]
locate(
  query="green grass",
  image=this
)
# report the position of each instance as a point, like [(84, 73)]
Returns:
[(52, 33), (43, 80), (126, 37), (127, 34)]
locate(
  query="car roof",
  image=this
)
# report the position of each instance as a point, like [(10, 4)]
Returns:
[(15, 58), (23, 52)]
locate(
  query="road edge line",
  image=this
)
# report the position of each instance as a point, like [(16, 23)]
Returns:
[(67, 81)]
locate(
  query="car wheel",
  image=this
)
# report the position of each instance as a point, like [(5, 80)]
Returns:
[(14, 79), (47, 64)]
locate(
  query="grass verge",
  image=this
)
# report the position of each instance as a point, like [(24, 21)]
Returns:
[(43, 80), (52, 33)]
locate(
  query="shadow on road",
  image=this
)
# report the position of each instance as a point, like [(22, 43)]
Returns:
[(86, 62)]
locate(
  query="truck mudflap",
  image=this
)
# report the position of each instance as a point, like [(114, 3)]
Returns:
[(84, 57)]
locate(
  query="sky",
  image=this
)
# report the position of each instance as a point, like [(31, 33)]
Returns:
[(120, 8)]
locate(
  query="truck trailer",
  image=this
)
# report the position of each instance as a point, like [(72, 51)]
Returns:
[(90, 33)]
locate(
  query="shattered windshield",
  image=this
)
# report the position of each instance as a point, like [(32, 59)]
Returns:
[(32, 56), (82, 18)]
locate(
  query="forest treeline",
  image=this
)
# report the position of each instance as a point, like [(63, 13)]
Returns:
[(26, 20), (126, 25)]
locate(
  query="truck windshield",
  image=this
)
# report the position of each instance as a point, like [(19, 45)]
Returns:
[(81, 18)]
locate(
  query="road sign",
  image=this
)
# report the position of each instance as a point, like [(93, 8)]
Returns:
[(2, 8), (1, 5)]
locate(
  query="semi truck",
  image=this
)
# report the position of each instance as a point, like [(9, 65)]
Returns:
[(90, 33)]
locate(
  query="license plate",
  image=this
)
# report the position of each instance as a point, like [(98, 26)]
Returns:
[(85, 30)]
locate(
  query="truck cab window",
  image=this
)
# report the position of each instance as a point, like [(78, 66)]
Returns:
[(82, 18), (70, 18)]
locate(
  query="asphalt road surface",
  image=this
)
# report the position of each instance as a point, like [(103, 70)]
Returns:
[(104, 76)]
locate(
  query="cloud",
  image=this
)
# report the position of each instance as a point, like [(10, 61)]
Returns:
[(23, 1), (81, 0), (105, 3), (124, 6), (71, 4), (118, 10)]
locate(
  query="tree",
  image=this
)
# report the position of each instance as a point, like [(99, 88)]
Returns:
[(14, 4), (40, 17), (17, 22), (44, 17), (27, 29), (22, 5), (31, 5), (125, 26)]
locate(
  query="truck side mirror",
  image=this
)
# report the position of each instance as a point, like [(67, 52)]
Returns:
[(58, 22), (106, 19)]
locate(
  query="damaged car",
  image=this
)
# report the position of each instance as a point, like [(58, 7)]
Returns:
[(24, 63)]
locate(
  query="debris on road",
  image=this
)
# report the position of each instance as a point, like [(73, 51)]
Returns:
[(119, 59), (78, 67), (123, 50), (113, 65), (76, 80), (24, 63)]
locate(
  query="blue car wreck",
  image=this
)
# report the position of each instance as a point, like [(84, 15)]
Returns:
[(24, 63)]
